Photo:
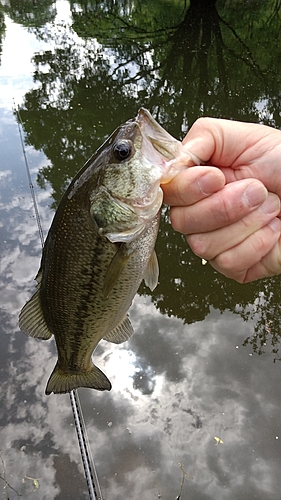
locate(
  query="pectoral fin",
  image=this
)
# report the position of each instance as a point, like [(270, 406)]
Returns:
[(152, 272), (115, 219), (115, 269), (121, 332), (127, 235)]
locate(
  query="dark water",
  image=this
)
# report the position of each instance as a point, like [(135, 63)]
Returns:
[(203, 365)]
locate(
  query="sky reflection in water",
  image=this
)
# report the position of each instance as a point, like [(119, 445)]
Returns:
[(176, 387)]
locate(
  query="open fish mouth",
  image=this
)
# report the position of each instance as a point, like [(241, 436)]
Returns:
[(175, 157), (161, 140)]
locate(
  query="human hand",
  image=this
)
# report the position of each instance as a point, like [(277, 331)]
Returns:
[(230, 214)]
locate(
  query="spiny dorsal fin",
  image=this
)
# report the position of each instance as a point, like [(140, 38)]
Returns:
[(152, 272), (115, 269), (31, 319), (121, 332)]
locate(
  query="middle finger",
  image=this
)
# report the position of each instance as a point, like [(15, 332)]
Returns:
[(230, 204), (209, 245)]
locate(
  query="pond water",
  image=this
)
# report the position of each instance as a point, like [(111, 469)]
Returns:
[(194, 412)]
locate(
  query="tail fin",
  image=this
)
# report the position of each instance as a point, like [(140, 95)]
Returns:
[(61, 382)]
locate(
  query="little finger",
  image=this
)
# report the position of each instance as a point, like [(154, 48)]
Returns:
[(256, 257)]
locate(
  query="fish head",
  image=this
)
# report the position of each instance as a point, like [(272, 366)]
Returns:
[(141, 155)]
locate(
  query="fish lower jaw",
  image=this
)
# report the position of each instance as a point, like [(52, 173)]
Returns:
[(146, 208)]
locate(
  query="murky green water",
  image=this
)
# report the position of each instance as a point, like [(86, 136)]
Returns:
[(203, 364)]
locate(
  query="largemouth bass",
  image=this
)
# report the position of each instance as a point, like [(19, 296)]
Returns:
[(99, 248)]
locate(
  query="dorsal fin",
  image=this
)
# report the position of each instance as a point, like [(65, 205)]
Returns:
[(38, 277), (31, 319)]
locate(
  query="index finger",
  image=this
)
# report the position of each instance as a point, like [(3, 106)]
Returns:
[(192, 185)]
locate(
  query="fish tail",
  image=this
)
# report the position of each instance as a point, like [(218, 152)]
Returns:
[(61, 382)]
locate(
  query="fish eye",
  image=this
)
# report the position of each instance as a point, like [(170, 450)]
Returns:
[(122, 150)]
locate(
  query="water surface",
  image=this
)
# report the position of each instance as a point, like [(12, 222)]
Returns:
[(195, 407)]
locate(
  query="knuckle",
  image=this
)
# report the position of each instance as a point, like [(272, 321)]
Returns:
[(227, 262), (201, 122), (224, 210), (177, 219), (199, 245)]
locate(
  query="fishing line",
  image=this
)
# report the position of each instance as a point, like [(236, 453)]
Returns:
[(31, 186), (81, 430), (88, 462)]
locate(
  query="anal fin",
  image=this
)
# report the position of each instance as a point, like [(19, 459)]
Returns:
[(121, 332)]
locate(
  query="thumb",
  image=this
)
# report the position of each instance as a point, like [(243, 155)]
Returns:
[(219, 142)]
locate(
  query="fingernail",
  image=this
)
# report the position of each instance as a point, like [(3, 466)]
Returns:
[(210, 183), (275, 225), (255, 194), (271, 204)]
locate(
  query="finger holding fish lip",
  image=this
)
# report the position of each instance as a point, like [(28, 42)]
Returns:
[(192, 185), (183, 160)]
